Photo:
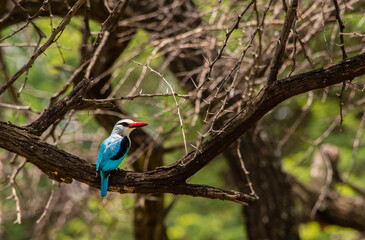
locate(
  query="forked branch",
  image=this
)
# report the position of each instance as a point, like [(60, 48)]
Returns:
[(64, 167)]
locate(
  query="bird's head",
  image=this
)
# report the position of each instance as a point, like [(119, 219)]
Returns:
[(126, 126)]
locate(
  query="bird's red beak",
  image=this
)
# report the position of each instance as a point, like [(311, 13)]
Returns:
[(138, 124)]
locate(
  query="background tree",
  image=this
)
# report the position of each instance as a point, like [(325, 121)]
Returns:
[(276, 87)]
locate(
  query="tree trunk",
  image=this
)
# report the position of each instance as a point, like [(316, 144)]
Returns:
[(273, 216)]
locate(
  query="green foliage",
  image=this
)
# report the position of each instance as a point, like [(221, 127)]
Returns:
[(196, 218), (315, 231)]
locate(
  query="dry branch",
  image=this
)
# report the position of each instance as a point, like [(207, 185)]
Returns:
[(63, 167), (335, 209), (281, 45), (55, 34)]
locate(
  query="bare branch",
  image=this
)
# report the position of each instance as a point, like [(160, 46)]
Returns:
[(63, 167), (228, 35), (29, 19), (44, 213), (342, 27), (176, 103), (281, 45), (55, 34), (56, 112), (245, 170), (14, 194)]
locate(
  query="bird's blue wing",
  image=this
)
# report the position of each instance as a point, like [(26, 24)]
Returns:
[(112, 152), (100, 154), (123, 149)]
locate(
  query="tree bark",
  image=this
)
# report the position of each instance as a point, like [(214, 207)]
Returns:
[(335, 208), (64, 167), (273, 215)]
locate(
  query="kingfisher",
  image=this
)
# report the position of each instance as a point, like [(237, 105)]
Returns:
[(114, 149)]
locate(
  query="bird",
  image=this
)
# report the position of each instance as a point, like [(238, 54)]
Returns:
[(114, 149)]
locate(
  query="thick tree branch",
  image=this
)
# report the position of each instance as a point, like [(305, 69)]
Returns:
[(270, 96), (64, 167), (51, 115), (335, 209)]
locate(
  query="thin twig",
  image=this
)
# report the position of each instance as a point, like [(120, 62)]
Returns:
[(353, 34), (96, 54), (324, 31), (299, 119), (342, 27), (228, 34), (29, 20), (44, 213), (249, 183), (27, 71), (305, 53), (344, 55), (341, 104), (58, 46), (56, 33), (108, 103), (16, 107), (176, 103), (14, 194), (139, 95), (295, 37), (64, 127), (109, 23)]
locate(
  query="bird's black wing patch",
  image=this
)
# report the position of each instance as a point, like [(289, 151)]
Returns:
[(123, 149)]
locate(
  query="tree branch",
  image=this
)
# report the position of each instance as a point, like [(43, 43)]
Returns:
[(110, 102), (55, 34), (270, 96), (280, 48), (63, 167), (335, 209), (50, 115)]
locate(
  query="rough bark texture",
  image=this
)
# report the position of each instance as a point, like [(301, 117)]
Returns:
[(63, 166)]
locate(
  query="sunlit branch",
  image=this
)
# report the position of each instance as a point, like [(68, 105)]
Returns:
[(55, 34)]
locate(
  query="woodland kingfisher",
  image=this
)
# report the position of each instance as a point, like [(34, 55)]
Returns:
[(113, 150)]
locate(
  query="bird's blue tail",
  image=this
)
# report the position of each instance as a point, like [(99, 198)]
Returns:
[(104, 183)]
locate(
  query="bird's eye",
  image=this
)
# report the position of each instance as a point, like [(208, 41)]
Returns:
[(124, 124)]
